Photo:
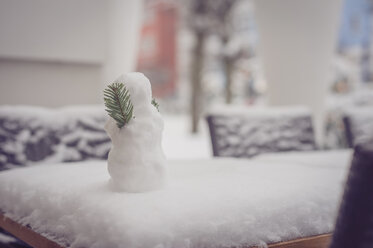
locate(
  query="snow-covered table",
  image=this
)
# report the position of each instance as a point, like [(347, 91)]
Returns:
[(207, 203)]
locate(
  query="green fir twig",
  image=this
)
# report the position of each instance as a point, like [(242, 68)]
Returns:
[(118, 103), (155, 104)]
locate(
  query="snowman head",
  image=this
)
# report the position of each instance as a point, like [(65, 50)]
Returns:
[(138, 86)]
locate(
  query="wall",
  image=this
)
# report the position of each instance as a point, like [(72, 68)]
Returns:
[(49, 84), (60, 52)]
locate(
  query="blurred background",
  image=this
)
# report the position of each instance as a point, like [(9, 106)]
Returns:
[(198, 55)]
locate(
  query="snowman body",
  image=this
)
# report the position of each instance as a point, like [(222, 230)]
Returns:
[(136, 162)]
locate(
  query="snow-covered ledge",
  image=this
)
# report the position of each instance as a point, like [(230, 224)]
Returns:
[(297, 41)]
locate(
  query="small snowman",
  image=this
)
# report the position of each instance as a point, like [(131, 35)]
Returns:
[(136, 162)]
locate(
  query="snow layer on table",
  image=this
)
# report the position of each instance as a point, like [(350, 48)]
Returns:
[(308, 158), (179, 143), (207, 203), (289, 111)]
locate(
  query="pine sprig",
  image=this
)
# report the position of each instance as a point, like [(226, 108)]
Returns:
[(155, 104), (118, 103)]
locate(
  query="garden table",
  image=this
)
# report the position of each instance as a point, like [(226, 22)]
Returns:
[(283, 200)]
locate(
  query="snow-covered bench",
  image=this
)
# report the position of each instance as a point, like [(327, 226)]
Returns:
[(207, 203), (246, 132), (358, 122), (35, 135)]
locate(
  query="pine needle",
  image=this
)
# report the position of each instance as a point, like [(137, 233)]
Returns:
[(155, 104), (118, 103)]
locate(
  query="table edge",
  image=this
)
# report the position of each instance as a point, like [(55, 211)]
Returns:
[(26, 234), (34, 239)]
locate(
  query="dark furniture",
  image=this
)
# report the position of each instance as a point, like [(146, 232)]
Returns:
[(354, 226)]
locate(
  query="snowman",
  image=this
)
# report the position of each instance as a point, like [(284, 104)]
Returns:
[(136, 162)]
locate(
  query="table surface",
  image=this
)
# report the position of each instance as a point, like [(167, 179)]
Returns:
[(210, 202)]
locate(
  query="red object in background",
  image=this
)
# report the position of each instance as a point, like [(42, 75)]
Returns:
[(157, 53)]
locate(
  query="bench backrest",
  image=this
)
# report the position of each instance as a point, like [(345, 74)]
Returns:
[(33, 134), (245, 133)]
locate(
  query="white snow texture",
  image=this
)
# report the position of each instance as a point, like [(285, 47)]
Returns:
[(6, 239), (136, 162), (361, 121), (206, 203)]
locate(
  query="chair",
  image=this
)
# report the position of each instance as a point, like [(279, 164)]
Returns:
[(354, 225), (248, 132), (358, 123)]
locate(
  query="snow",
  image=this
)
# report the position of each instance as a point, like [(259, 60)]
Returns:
[(179, 143), (340, 104), (6, 239), (260, 111), (53, 117), (206, 202), (307, 158), (136, 162), (361, 120), (357, 98)]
